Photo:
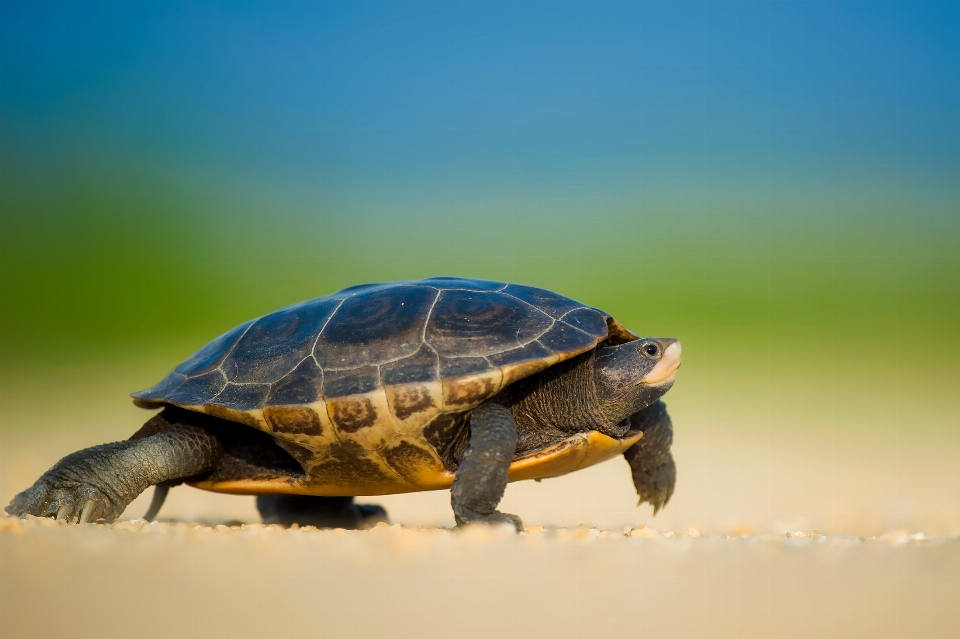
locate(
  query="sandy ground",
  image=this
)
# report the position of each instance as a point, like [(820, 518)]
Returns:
[(230, 576), (798, 534), (178, 579)]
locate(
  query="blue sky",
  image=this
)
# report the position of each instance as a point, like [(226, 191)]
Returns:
[(508, 98)]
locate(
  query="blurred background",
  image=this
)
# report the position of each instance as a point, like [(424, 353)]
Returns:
[(773, 182)]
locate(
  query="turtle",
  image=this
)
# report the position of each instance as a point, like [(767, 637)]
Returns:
[(389, 388)]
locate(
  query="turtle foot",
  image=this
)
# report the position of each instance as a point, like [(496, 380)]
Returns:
[(371, 515), (70, 501), (656, 487), (496, 518), (322, 512)]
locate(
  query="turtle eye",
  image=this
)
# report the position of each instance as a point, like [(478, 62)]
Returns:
[(651, 350)]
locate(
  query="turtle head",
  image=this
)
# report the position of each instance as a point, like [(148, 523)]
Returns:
[(629, 377)]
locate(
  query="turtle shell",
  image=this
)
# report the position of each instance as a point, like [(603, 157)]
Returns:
[(365, 387)]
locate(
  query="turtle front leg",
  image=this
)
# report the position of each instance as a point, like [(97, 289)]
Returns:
[(654, 472), (99, 482), (481, 478)]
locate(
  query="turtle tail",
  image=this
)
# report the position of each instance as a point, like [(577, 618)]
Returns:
[(159, 496)]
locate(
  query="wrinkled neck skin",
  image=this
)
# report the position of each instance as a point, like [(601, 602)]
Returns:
[(560, 400), (618, 373), (598, 391)]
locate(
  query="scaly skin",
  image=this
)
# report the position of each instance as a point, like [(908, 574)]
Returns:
[(652, 466), (99, 482), (482, 475)]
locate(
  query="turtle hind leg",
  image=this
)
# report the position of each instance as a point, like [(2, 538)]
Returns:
[(99, 482), (322, 512)]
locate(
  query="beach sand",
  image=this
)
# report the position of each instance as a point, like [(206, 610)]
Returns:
[(792, 534), (188, 580)]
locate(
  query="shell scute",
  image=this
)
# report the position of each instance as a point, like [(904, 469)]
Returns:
[(167, 388), (352, 413), (243, 396), (563, 338), (462, 366), (533, 351), (375, 326), (275, 343), (250, 418), (352, 471), (464, 393), (467, 323), (355, 381), (406, 401), (201, 387), (550, 303), (420, 367), (303, 385), (589, 320), (525, 361), (293, 420), (210, 356), (415, 462)]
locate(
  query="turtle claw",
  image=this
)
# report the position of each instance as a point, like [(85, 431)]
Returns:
[(658, 503), (47, 499), (656, 487), (496, 518), (499, 518), (86, 515), (657, 495)]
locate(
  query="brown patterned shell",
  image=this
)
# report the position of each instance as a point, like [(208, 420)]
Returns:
[(366, 386)]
